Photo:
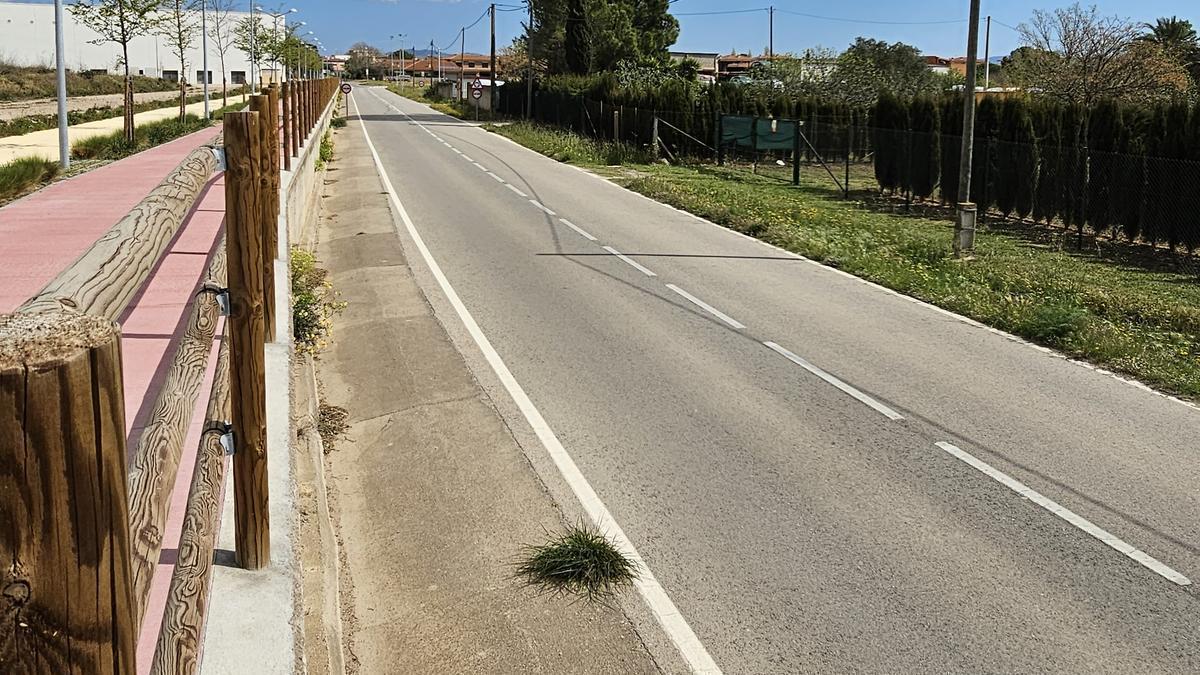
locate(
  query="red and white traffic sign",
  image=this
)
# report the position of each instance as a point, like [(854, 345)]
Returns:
[(477, 93), (345, 87)]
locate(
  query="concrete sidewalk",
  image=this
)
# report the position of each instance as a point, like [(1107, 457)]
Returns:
[(432, 496), (45, 143)]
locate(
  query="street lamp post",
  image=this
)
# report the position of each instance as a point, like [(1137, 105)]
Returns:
[(60, 66), (275, 31), (204, 49)]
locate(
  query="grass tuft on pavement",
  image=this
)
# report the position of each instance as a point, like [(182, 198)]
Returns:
[(21, 175), (1115, 311), (580, 562)]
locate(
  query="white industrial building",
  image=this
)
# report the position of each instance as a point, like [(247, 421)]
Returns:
[(27, 39)]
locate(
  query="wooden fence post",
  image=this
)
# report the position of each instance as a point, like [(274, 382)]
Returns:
[(66, 596), (267, 214), (244, 261), (285, 91)]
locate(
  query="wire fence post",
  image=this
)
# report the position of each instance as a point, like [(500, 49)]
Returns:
[(849, 149), (717, 142), (796, 152)]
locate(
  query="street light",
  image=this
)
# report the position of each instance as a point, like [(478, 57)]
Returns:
[(399, 37), (275, 30), (60, 66)]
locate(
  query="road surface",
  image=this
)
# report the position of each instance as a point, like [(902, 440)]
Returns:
[(820, 474)]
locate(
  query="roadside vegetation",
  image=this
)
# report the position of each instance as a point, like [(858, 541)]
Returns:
[(114, 146), (314, 302), (32, 123), (1129, 318), (581, 562), (23, 83), (23, 175), (325, 155)]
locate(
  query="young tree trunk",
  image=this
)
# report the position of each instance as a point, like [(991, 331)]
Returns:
[(128, 124), (224, 91)]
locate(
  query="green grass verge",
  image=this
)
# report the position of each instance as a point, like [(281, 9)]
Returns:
[(21, 175), (114, 146), (32, 123), (581, 562), (22, 83), (1125, 317)]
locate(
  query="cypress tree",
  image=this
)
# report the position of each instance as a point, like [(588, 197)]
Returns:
[(1104, 129), (983, 169), (951, 142), (1190, 180), (1049, 179), (926, 148), (1015, 159), (1173, 187), (1154, 217), (1132, 172), (1073, 166), (884, 123)]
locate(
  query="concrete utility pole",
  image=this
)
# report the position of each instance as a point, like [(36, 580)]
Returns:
[(60, 66), (462, 59), (529, 70), (964, 224), (987, 55), (771, 31), (492, 67)]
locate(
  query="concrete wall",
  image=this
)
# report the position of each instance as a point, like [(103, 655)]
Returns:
[(300, 187), (27, 39)]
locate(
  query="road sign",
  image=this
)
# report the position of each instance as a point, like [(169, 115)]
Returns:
[(345, 87), (476, 93), (477, 85)]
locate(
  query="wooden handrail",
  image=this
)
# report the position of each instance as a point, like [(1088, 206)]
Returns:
[(109, 274), (178, 647), (156, 458)]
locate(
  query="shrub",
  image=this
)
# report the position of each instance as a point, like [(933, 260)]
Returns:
[(581, 561), (338, 122), (313, 302), (114, 146), (19, 175)]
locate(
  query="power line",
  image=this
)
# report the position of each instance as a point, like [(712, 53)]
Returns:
[(880, 23), (727, 11)]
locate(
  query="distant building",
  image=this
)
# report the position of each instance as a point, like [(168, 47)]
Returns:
[(27, 39), (938, 64), (733, 65), (707, 61), (336, 63), (959, 65)]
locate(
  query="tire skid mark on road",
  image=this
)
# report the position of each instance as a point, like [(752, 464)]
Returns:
[(1106, 537)]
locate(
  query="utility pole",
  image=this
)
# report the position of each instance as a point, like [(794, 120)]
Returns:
[(60, 67), (771, 31), (492, 84), (987, 55), (529, 69), (964, 224), (462, 60)]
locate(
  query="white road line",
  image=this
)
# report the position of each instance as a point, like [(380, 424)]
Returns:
[(480, 166), (456, 150), (514, 189), (575, 227), (467, 158), (653, 594), (498, 178), (1068, 515), (542, 207), (630, 261), (707, 307), (862, 398)]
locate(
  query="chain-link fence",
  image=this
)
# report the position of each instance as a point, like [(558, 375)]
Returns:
[(1151, 202)]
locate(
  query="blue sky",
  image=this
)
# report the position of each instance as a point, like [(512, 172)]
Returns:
[(340, 23)]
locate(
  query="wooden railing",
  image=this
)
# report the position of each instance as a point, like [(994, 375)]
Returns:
[(80, 530)]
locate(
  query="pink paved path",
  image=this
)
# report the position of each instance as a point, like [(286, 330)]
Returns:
[(43, 233)]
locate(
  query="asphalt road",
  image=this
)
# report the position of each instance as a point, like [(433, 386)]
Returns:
[(791, 497)]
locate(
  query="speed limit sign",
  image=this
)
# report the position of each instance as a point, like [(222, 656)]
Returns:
[(345, 87)]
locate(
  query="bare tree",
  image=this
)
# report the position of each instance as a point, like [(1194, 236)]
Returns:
[(180, 26), (119, 22), (221, 32), (1078, 56)]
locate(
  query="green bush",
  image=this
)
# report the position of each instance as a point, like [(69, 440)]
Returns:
[(22, 174), (338, 122), (313, 302), (21, 83), (114, 146)]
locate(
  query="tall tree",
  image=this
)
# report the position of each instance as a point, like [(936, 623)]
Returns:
[(1077, 56), (896, 68), (637, 32), (119, 22), (252, 38), (180, 25), (1016, 161), (578, 40), (1104, 178), (1177, 37), (926, 148), (221, 32)]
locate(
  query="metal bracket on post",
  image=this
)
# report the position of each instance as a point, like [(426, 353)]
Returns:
[(225, 428), (222, 295), (219, 155)]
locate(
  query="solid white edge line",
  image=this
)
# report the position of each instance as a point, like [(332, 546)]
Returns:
[(515, 189), (1109, 539), (653, 594), (861, 397), (630, 261), (707, 307), (575, 227), (542, 207)]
